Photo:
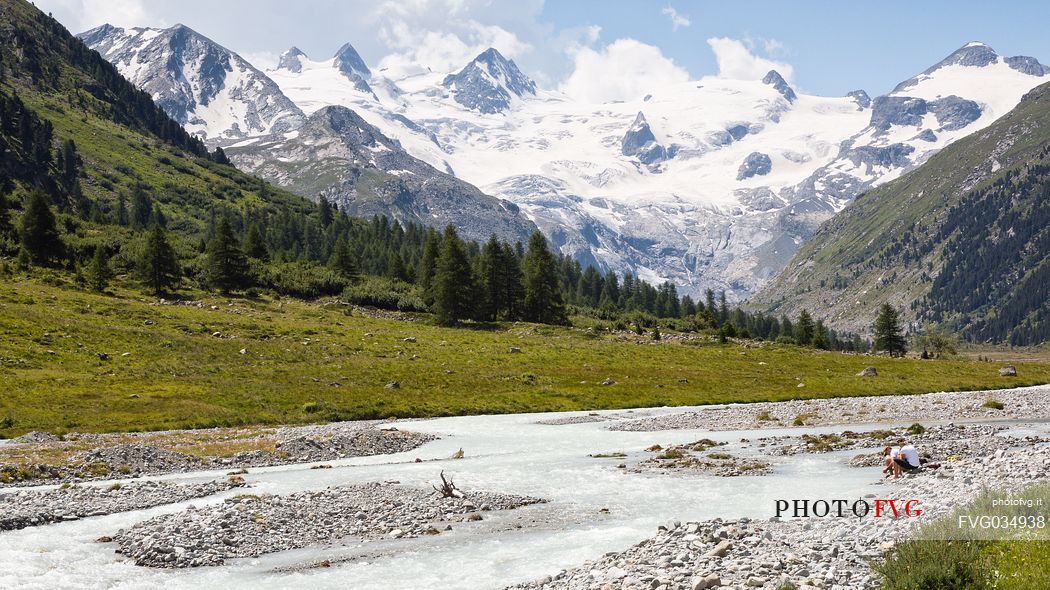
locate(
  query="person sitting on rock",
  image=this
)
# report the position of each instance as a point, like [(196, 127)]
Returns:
[(907, 459), (890, 452)]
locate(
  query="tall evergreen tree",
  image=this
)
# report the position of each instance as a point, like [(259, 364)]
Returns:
[(157, 266), (395, 267), (98, 272), (428, 265), (804, 329), (254, 246), (324, 212), (227, 267), (820, 336), (141, 207), (543, 301), (6, 229), (341, 260), (491, 281), (39, 231), (453, 283), (889, 336), (122, 210)]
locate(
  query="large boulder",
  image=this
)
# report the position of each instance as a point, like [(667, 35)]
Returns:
[(1008, 371)]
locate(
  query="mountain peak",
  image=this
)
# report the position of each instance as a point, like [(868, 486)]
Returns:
[(349, 62), (100, 33), (774, 79), (291, 60), (488, 82)]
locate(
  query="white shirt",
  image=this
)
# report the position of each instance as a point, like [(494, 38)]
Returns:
[(910, 454), (894, 451)]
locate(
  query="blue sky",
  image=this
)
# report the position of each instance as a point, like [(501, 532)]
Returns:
[(826, 47)]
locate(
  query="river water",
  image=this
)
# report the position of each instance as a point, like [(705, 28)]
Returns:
[(511, 454)]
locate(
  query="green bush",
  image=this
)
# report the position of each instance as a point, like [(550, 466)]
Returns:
[(947, 565), (993, 404), (916, 429), (385, 293), (302, 279)]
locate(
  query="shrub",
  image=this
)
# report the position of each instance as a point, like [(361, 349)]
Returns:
[(312, 407), (934, 564), (993, 404), (916, 429), (671, 454), (764, 416), (385, 293), (300, 279)]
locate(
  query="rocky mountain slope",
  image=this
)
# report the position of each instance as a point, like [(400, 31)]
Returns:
[(708, 183), (213, 92), (963, 240), (339, 156)]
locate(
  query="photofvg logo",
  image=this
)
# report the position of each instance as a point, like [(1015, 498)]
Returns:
[(879, 508)]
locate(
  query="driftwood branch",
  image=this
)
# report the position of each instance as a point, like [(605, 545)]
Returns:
[(448, 489)]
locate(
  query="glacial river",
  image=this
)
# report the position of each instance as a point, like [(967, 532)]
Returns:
[(508, 453)]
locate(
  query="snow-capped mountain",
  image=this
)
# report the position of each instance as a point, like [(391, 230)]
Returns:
[(211, 91), (337, 155), (707, 183), (489, 83)]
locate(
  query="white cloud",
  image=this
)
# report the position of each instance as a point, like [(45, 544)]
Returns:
[(623, 70), (263, 60), (737, 62), (438, 34), (677, 20), (773, 47), (81, 15)]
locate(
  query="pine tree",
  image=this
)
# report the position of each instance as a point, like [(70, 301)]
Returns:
[(428, 264), (453, 283), (543, 301), (511, 280), (219, 157), (141, 207), (6, 228), (396, 267), (227, 267), (254, 246), (804, 329), (98, 272), (820, 336), (341, 260), (324, 212), (122, 210), (491, 280), (157, 266), (889, 336), (39, 231)]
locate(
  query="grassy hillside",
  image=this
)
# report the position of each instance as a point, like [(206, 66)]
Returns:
[(174, 365), (887, 246)]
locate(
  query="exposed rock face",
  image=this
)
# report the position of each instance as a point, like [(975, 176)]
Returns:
[(897, 110), (489, 83), (349, 62), (1027, 65), (755, 164), (891, 156), (291, 60), (774, 79), (953, 112), (338, 155), (639, 141), (210, 90), (926, 135), (861, 98)]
